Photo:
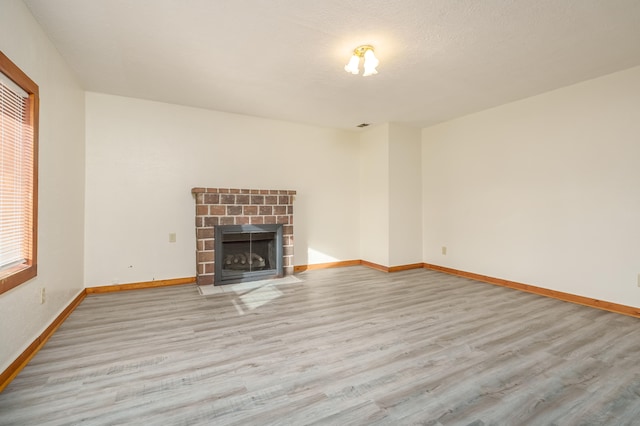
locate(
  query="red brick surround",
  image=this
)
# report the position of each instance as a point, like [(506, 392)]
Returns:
[(223, 206)]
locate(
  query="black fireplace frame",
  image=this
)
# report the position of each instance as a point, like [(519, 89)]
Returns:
[(222, 277)]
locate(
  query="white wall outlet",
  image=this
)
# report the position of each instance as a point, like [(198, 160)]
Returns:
[(444, 250), (638, 280), (172, 237), (42, 295)]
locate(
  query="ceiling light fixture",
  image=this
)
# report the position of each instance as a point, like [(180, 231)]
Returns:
[(370, 61)]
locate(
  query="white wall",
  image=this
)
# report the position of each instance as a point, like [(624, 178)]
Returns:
[(374, 195), (543, 191), (144, 157), (390, 195), (61, 185), (405, 195)]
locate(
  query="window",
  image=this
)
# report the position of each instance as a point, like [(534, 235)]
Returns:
[(18, 175)]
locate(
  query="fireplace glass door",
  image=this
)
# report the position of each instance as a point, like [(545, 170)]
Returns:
[(247, 253)]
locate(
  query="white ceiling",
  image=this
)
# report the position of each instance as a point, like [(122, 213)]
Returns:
[(284, 59)]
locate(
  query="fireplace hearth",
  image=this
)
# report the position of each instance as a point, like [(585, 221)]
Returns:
[(264, 213)]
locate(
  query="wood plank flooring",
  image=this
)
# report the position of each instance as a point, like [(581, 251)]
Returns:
[(345, 346)]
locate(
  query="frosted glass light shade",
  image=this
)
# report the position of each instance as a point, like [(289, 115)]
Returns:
[(352, 66), (370, 63)]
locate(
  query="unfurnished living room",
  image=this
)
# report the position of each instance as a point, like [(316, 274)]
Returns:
[(319, 212)]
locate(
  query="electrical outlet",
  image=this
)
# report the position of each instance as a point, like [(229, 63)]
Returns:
[(172, 237), (42, 295), (444, 250), (638, 280)]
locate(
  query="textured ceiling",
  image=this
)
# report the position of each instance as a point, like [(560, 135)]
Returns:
[(284, 59)]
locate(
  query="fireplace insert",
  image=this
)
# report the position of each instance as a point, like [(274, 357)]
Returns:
[(247, 253)]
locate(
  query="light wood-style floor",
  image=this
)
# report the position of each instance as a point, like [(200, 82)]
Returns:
[(345, 346)]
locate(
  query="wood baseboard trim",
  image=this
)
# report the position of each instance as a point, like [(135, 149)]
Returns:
[(406, 267), (375, 266), (567, 297), (302, 268), (398, 268), (140, 285), (314, 266), (16, 366)]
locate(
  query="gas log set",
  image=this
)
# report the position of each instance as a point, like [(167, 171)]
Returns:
[(244, 262)]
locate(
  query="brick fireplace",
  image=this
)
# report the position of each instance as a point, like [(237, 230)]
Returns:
[(224, 206)]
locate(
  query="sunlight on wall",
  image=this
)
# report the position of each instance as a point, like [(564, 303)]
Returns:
[(315, 256)]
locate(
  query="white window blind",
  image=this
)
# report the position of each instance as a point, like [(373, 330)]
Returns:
[(16, 175)]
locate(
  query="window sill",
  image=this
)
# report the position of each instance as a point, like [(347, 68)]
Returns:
[(16, 275)]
